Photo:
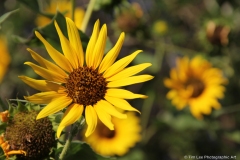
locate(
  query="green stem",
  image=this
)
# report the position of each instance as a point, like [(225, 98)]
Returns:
[(87, 15), (146, 111), (18, 100), (158, 56), (73, 9), (227, 110), (66, 146), (74, 130)]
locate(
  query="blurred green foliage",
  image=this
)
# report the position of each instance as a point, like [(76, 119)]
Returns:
[(168, 134)]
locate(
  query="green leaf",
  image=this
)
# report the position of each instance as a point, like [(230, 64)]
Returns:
[(12, 109), (55, 119), (80, 149), (234, 136), (6, 15), (32, 107), (21, 107), (50, 31), (3, 127), (50, 34), (32, 4)]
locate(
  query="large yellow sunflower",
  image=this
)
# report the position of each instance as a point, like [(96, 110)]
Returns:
[(91, 86), (64, 6), (117, 142), (197, 84), (5, 57)]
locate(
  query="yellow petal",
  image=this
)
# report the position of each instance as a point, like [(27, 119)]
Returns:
[(130, 80), (120, 103), (183, 66), (71, 115), (171, 94), (122, 93), (174, 74), (59, 58), (47, 74), (104, 117), (120, 65), (97, 55), (168, 83), (5, 56), (127, 72), (54, 106), (92, 43), (59, 130), (43, 97), (91, 119), (68, 51), (108, 108), (111, 56), (41, 85), (196, 112), (46, 64), (75, 40), (216, 104)]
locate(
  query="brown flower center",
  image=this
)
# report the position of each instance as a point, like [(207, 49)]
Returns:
[(198, 86), (105, 132), (86, 86)]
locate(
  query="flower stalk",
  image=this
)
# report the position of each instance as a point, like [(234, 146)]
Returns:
[(87, 15), (75, 128), (73, 9)]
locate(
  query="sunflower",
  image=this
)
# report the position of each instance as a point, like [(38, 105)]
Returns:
[(5, 58), (64, 6), (197, 84), (91, 87), (118, 141)]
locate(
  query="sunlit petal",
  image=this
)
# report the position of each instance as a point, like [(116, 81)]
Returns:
[(75, 40), (59, 58), (108, 108), (46, 64), (68, 51), (127, 72), (122, 93), (43, 97), (104, 117), (120, 65), (97, 55), (54, 106), (41, 85), (91, 119), (92, 43), (111, 56), (129, 81), (120, 103), (71, 115), (47, 74)]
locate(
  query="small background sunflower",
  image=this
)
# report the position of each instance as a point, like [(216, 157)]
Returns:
[(116, 142)]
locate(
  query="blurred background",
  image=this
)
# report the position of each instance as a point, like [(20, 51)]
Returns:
[(164, 30)]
